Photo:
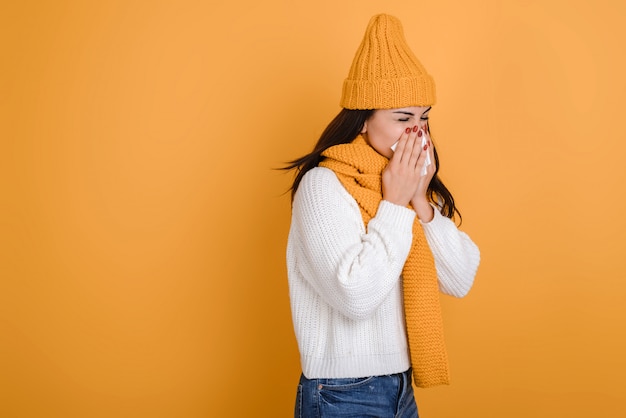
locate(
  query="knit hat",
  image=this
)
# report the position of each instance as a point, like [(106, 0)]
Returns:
[(385, 74)]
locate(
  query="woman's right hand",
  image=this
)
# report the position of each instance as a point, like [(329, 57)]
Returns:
[(402, 175)]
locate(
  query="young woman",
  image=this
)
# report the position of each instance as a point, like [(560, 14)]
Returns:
[(372, 242)]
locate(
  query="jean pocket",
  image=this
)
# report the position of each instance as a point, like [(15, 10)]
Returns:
[(344, 383), (369, 396)]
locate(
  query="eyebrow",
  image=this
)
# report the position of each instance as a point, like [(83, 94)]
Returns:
[(412, 114)]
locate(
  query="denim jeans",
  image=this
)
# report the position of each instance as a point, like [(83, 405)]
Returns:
[(377, 396)]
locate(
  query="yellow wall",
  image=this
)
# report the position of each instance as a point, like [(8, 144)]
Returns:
[(143, 228)]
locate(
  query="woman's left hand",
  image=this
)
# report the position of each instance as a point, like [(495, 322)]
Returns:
[(420, 203)]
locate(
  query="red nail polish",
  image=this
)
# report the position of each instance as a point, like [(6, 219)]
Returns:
[(425, 147), (415, 128), (407, 130), (419, 134)]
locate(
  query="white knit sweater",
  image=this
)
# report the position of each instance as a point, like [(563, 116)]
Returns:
[(344, 280)]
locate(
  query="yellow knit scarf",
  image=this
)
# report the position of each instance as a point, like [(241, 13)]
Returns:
[(359, 168)]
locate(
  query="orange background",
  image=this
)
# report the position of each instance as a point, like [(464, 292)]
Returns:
[(143, 229)]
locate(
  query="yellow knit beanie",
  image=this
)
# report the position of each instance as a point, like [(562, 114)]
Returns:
[(385, 74)]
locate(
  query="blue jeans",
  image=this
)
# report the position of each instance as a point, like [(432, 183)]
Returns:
[(377, 396)]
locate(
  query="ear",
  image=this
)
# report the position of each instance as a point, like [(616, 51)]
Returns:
[(364, 130)]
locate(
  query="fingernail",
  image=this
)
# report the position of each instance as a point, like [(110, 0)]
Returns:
[(415, 128), (419, 133), (425, 147), (429, 143)]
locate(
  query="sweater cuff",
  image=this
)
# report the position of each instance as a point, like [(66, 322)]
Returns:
[(436, 220), (395, 214)]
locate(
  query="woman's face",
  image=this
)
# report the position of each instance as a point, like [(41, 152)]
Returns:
[(385, 126)]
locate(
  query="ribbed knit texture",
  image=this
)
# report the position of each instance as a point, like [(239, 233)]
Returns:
[(359, 168), (385, 74)]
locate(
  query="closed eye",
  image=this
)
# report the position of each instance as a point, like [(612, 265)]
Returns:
[(404, 113)]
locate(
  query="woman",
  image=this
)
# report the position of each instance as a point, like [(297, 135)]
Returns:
[(372, 242)]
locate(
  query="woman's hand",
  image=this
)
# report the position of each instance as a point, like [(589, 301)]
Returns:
[(419, 201), (401, 177)]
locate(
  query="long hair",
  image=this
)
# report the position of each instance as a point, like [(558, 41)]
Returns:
[(346, 126)]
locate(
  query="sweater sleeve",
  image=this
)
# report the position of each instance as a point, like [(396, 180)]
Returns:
[(351, 267), (456, 256)]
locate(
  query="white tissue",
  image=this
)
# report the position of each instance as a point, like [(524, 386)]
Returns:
[(427, 163), (424, 142)]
